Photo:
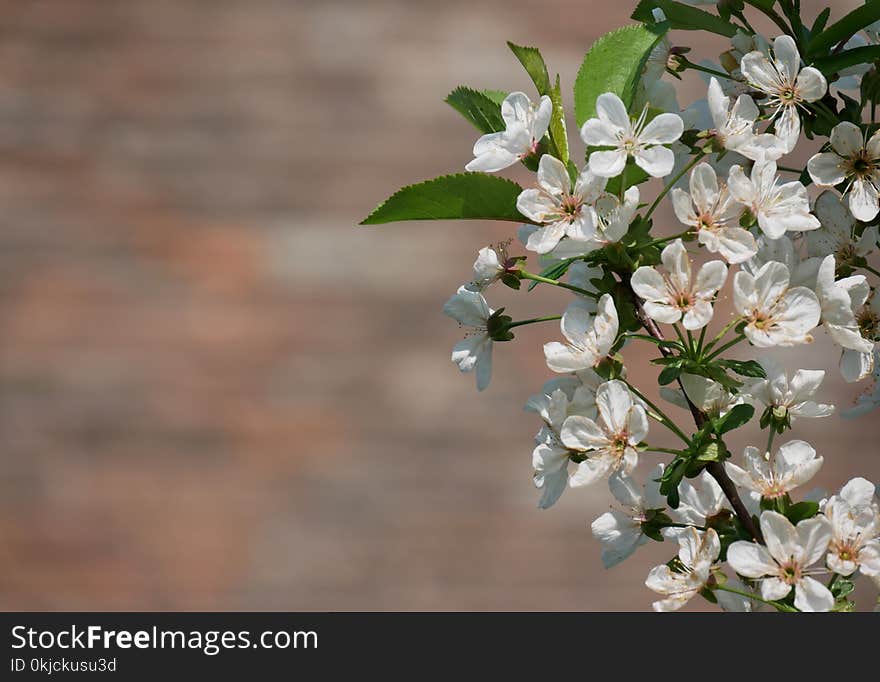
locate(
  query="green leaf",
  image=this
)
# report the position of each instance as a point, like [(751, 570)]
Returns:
[(558, 132), (845, 28), (451, 197), (668, 375), (842, 587), (554, 271), (835, 63), (497, 96), (477, 108), (821, 21), (684, 17), (739, 415), (613, 64), (802, 510), (745, 368), (533, 62)]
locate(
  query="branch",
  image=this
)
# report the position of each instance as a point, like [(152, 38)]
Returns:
[(716, 469)]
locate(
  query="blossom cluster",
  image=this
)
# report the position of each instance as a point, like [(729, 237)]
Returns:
[(792, 248)]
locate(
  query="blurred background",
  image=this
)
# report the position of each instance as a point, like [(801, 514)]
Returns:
[(217, 392)]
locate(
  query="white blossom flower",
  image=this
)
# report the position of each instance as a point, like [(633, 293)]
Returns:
[(794, 464), (613, 128), (854, 160), (870, 400), (713, 214), (489, 266), (784, 563), (604, 221), (589, 338), (793, 397), (786, 83), (470, 309), (837, 235), (610, 441), (678, 295), (697, 554), (526, 123), (734, 128), (855, 524), (620, 531), (855, 365), (697, 503), (837, 299), (611, 220), (560, 207), (776, 314), (778, 208), (550, 457)]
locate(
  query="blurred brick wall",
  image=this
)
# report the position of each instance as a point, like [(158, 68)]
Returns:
[(215, 391)]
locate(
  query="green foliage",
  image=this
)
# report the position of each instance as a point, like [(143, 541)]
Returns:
[(802, 510), (867, 54), (684, 17), (558, 132), (462, 196), (745, 368), (844, 28), (478, 108), (738, 416), (614, 64), (533, 63), (497, 326)]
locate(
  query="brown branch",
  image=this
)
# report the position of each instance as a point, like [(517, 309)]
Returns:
[(716, 469)]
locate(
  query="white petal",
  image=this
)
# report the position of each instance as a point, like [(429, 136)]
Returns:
[(779, 535), (608, 164), (811, 84), (553, 175), (546, 238), (648, 284), (614, 401), (657, 162), (846, 139), (863, 202), (610, 108), (750, 559), (582, 433), (812, 596), (663, 129), (826, 169)]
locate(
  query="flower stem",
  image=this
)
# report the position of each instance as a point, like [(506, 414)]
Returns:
[(772, 15), (712, 72), (748, 595), (873, 271), (673, 182), (666, 240), (770, 439), (716, 469), (668, 451), (729, 344), (520, 323), (555, 282), (730, 325), (664, 419)]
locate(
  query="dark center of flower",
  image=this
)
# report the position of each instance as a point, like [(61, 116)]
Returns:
[(760, 320), (791, 573), (620, 442), (869, 323), (571, 206)]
